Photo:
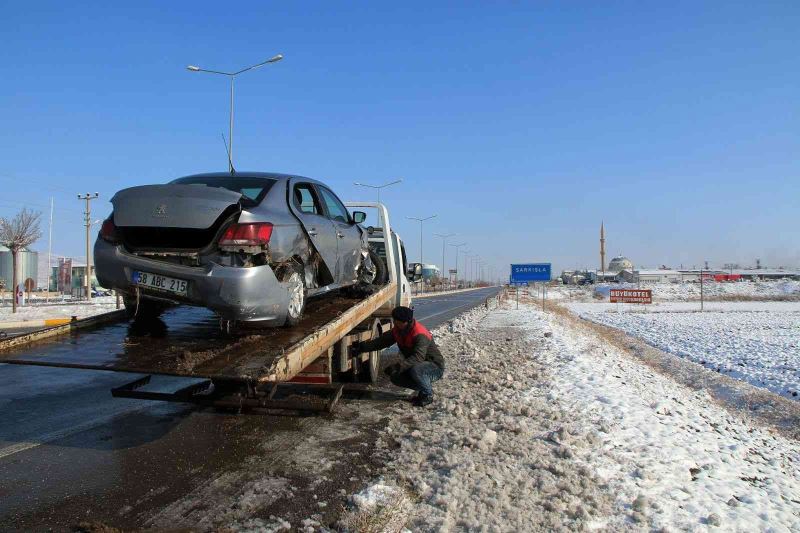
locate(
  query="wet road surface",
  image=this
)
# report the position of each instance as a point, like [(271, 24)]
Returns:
[(70, 452)]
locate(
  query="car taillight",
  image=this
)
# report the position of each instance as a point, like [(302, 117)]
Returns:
[(108, 231), (254, 234)]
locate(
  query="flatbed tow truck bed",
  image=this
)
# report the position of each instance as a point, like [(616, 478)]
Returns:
[(315, 351), (248, 371), (277, 354)]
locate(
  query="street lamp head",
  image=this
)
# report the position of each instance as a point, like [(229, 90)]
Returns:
[(275, 59), (193, 68)]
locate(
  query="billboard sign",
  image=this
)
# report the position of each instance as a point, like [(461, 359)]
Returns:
[(631, 296), (524, 273), (64, 275)]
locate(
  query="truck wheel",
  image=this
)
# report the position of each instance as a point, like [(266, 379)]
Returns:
[(369, 371), (296, 286)]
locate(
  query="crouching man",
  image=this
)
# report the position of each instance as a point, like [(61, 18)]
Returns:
[(421, 363)]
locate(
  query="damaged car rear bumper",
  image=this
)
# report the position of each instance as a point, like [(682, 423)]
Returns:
[(247, 294)]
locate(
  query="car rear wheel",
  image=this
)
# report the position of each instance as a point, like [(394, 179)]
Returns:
[(143, 310), (296, 286)]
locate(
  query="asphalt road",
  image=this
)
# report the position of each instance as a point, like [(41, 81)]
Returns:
[(70, 452)]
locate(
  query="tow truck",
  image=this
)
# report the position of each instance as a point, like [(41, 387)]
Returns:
[(269, 371)]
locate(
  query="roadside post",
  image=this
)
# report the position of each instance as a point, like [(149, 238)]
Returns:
[(544, 294), (701, 290), (530, 273)]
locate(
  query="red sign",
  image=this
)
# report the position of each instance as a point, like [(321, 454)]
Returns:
[(631, 296)]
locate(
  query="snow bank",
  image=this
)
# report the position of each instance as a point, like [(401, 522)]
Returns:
[(757, 342), (41, 311), (671, 455), (688, 291), (538, 425)]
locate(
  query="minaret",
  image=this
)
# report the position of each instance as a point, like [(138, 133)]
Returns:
[(603, 250)]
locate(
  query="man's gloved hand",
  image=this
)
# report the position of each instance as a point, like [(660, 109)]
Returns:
[(391, 370), (355, 348)]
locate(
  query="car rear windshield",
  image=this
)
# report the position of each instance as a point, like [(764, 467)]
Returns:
[(253, 190)]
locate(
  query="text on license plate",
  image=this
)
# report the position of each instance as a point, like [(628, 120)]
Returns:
[(158, 282)]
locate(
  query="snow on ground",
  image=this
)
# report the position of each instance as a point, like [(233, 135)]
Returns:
[(688, 291), (39, 311), (757, 342), (540, 425)]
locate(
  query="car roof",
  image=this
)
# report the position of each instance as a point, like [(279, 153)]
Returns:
[(247, 174)]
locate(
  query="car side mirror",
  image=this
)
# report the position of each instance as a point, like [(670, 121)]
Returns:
[(414, 272), (359, 217)]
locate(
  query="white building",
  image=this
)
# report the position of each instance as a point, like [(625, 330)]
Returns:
[(650, 276)]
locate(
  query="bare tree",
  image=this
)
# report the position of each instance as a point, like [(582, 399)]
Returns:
[(17, 234)]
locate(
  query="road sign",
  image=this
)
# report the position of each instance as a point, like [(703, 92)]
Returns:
[(530, 272), (631, 296)]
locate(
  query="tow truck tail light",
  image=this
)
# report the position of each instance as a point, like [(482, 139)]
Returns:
[(108, 231), (254, 234)]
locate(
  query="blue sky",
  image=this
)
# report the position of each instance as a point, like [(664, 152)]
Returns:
[(521, 125)]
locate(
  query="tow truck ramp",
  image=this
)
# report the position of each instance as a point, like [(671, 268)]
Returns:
[(275, 368)]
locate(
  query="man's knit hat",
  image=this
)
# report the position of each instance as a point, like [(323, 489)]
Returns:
[(403, 314)]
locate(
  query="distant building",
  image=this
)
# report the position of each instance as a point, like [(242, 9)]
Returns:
[(77, 279), (650, 276), (27, 267)]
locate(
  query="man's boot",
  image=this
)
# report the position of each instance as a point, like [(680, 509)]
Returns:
[(422, 400)]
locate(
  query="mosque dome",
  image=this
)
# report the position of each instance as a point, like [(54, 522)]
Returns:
[(620, 263)]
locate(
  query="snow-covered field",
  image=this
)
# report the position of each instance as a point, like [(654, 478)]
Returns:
[(682, 292), (758, 342), (540, 425), (39, 311)]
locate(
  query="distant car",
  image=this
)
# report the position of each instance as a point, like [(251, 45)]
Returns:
[(253, 247)]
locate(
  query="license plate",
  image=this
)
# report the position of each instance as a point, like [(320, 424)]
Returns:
[(159, 282)]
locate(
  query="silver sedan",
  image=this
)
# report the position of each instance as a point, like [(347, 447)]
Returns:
[(253, 247)]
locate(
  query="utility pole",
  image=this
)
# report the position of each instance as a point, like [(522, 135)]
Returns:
[(49, 249), (87, 220), (444, 244)]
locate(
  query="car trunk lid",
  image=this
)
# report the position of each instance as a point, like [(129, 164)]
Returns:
[(172, 206), (173, 216)]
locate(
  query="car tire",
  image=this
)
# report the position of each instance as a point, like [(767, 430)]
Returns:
[(381, 274), (147, 309), (296, 286)]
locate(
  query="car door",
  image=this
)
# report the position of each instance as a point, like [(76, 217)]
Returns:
[(347, 233), (305, 203)]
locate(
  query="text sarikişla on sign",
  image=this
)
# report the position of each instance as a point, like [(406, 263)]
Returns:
[(631, 296)]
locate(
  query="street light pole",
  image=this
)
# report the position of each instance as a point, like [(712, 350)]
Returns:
[(421, 220), (467, 254), (232, 77), (444, 244), (87, 220), (378, 187), (457, 246)]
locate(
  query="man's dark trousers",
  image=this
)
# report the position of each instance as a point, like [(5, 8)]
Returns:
[(419, 377)]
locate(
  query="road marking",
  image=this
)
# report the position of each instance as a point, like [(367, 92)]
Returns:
[(472, 303), (56, 435)]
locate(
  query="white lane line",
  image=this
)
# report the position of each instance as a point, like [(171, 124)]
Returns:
[(63, 433)]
